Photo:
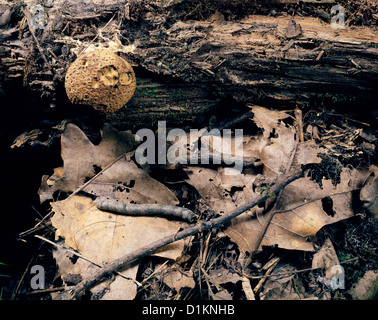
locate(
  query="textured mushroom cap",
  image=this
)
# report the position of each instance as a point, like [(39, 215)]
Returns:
[(100, 79)]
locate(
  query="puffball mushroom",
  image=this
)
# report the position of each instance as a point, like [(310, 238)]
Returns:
[(100, 79)]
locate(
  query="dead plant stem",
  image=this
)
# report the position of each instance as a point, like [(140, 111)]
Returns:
[(97, 175)]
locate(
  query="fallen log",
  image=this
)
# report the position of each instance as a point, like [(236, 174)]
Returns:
[(188, 69)]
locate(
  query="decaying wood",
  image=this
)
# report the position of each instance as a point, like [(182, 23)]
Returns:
[(120, 263), (194, 66)]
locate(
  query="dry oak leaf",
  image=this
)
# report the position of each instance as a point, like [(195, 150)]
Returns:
[(102, 237), (279, 139), (221, 191), (81, 157), (122, 181), (326, 258), (303, 209), (178, 279)]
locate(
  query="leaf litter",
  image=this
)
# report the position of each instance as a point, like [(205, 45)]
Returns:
[(199, 267)]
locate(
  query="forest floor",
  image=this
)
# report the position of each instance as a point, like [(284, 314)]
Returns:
[(320, 241)]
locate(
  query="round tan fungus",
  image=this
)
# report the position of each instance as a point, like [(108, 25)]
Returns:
[(100, 79)]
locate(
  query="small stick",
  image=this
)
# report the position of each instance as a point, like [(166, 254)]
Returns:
[(29, 19), (44, 291), (267, 273), (285, 274), (59, 246), (144, 209), (272, 212), (281, 182), (298, 117), (97, 175), (98, 33), (235, 121), (246, 285)]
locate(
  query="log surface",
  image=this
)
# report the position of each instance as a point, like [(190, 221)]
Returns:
[(186, 69)]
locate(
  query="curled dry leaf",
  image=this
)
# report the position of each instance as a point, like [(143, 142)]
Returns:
[(177, 279), (326, 258), (123, 180), (102, 237), (279, 139), (304, 208)]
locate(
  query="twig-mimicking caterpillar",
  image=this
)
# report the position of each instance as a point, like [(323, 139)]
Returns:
[(160, 210)]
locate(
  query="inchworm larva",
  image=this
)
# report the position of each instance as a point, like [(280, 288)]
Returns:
[(160, 210)]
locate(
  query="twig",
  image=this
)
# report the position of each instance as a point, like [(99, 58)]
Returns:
[(235, 121), (267, 273), (15, 292), (286, 274), (67, 249), (97, 175), (350, 119), (44, 291), (29, 19), (246, 285), (298, 117), (281, 182), (271, 213), (98, 33)]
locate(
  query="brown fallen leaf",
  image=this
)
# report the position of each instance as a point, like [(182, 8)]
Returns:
[(283, 285), (178, 279), (223, 275), (122, 181), (267, 119), (304, 208), (279, 139), (102, 237), (326, 258), (222, 192)]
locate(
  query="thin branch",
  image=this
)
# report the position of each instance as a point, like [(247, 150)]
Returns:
[(280, 275), (299, 119), (59, 246), (98, 33), (97, 175), (281, 182), (29, 21)]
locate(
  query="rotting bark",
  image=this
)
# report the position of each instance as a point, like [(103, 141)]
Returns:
[(192, 66)]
